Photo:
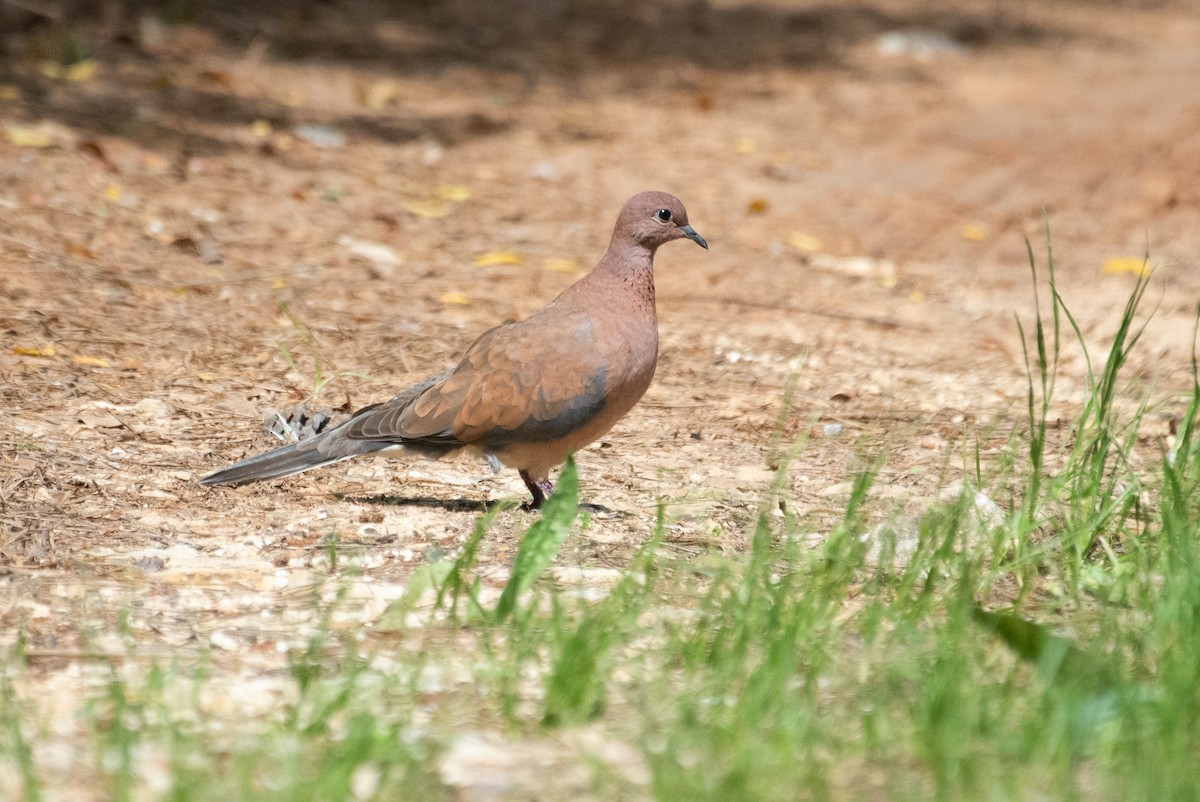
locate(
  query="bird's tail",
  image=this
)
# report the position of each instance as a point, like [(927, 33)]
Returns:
[(330, 446), (272, 465)]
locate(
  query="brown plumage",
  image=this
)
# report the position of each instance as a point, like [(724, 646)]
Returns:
[(526, 394)]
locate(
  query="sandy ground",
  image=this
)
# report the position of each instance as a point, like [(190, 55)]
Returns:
[(864, 173)]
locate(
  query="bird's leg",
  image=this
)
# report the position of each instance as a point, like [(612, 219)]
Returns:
[(539, 490)]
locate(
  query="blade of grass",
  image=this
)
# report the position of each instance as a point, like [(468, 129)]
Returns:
[(542, 540)]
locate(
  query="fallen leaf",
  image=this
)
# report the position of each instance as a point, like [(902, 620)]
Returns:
[(746, 145), (113, 191), (805, 242), (9, 92), (82, 251), (277, 284), (380, 94), (387, 218), (90, 361), (260, 128), (24, 137), (81, 70), (217, 77), (99, 419), (97, 149), (455, 192), (973, 232), (374, 252), (429, 209), (47, 350), (1126, 264), (561, 265), (756, 206), (321, 136), (497, 258), (916, 297), (455, 298), (205, 376)]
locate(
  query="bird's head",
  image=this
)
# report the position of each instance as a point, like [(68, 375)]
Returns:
[(652, 219)]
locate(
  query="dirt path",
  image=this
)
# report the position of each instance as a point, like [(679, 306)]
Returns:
[(865, 209)]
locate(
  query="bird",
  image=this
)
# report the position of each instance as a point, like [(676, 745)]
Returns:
[(527, 394)]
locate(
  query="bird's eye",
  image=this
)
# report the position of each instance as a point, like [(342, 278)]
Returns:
[(664, 215)]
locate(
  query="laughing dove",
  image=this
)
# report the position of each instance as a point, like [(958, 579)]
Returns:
[(526, 394)]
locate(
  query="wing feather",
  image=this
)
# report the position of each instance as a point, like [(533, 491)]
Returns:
[(532, 381)]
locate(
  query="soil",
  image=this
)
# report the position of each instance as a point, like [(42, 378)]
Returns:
[(234, 209)]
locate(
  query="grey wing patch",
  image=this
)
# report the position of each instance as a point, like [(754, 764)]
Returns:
[(382, 421), (567, 418)]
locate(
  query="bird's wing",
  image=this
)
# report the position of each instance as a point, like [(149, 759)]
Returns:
[(534, 381)]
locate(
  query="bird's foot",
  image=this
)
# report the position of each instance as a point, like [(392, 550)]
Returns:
[(539, 489)]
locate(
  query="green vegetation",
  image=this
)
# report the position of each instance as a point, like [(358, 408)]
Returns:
[(1047, 651)]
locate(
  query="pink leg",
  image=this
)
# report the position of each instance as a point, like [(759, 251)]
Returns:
[(539, 490)]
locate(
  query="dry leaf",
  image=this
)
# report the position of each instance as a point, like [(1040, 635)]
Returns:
[(429, 209), (497, 258), (9, 92), (805, 242), (380, 94), (90, 361), (44, 351), (454, 192), (321, 136), (455, 298), (261, 129), (1126, 264), (374, 252), (217, 77), (81, 70), (746, 145), (756, 206), (972, 232), (80, 250), (113, 191), (561, 265), (24, 137), (97, 149), (99, 419)]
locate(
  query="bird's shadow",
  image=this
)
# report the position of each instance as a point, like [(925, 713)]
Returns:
[(598, 511), (447, 504)]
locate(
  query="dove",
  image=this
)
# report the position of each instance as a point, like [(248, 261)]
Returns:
[(528, 394)]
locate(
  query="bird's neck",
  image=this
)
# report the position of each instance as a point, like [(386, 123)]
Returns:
[(628, 271)]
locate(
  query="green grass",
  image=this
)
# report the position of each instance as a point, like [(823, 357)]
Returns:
[(1051, 653)]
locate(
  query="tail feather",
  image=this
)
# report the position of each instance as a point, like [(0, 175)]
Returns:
[(272, 465), (324, 449), (333, 445)]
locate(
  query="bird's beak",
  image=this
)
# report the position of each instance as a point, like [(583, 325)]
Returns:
[(691, 234)]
